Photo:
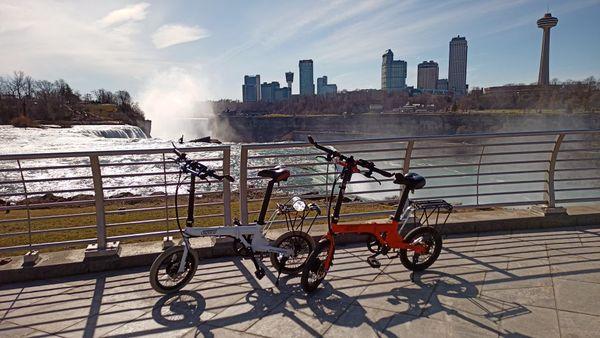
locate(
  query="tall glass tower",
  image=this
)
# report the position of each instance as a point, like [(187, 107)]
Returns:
[(307, 83), (457, 66), (393, 72)]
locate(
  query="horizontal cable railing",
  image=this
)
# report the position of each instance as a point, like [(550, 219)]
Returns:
[(69, 199), (477, 170)]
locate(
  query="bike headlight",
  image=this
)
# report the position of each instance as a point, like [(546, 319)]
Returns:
[(298, 204)]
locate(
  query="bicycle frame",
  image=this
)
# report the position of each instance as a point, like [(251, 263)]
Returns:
[(387, 234), (239, 232)]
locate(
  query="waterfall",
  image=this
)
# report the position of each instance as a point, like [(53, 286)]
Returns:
[(117, 131)]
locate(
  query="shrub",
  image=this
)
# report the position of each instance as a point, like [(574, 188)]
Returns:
[(23, 122)]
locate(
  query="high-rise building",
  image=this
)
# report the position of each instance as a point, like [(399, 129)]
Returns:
[(324, 88), (393, 73), (251, 88), (442, 84), (427, 75), (457, 66), (272, 92), (289, 78), (545, 23), (307, 83)]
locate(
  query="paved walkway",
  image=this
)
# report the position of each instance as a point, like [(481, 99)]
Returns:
[(543, 283)]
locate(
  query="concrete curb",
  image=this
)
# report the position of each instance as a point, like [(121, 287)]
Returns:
[(224, 247)]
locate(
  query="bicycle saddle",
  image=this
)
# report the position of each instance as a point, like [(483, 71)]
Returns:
[(277, 174), (411, 180)]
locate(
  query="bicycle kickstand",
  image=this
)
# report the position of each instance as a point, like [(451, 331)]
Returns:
[(260, 272), (283, 261)]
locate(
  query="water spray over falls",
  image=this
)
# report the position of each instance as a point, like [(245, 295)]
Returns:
[(175, 102)]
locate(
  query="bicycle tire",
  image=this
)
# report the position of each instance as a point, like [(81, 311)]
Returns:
[(433, 236), (296, 237), (313, 265), (173, 254)]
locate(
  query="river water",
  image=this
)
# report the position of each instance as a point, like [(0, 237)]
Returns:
[(117, 137)]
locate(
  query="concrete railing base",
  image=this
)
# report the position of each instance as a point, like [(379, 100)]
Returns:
[(65, 263), (31, 258), (112, 249)]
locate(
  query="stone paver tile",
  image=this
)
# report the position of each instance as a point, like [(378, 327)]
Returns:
[(542, 296), (224, 271), (299, 317), (56, 314), (584, 271), (401, 297), (584, 252), (345, 289), (521, 273), (578, 325), (247, 311), (577, 296), (210, 331), (449, 258), (467, 314), (410, 326), (150, 325), (360, 322), (8, 329), (174, 315), (218, 297), (354, 265), (102, 323), (537, 322), (14, 297), (465, 281)]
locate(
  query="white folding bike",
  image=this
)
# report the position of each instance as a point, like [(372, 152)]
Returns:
[(176, 266)]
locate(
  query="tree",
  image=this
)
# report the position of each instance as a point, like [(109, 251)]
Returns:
[(17, 87)]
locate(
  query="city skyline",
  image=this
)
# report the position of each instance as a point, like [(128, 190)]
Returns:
[(188, 47)]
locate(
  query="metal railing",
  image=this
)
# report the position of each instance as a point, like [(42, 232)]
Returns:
[(77, 198), (477, 170), (103, 196)]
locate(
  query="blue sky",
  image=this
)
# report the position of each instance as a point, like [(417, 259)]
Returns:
[(188, 51)]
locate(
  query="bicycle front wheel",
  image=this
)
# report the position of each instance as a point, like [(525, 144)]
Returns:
[(164, 273), (315, 271)]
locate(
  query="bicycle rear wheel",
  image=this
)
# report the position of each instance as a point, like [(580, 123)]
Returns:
[(300, 243), (431, 239), (164, 275), (315, 271)]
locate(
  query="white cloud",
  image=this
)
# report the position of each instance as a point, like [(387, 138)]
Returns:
[(135, 12), (170, 35)]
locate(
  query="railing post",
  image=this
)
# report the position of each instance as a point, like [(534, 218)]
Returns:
[(32, 256), (407, 156), (167, 240), (243, 184), (102, 248), (227, 187), (549, 195), (478, 171)]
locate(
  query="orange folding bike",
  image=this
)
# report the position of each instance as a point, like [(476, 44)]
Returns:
[(423, 242)]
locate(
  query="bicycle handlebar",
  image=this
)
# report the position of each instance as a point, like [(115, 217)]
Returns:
[(363, 163), (196, 168)]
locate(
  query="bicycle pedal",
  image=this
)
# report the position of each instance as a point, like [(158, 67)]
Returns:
[(373, 262)]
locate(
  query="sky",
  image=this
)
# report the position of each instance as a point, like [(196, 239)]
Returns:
[(182, 51)]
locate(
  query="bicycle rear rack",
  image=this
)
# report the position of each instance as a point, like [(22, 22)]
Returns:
[(425, 210)]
